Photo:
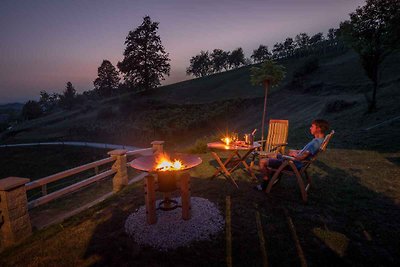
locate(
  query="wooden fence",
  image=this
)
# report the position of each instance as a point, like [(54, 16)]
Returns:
[(14, 204)]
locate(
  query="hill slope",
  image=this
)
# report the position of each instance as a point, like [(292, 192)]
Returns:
[(182, 112)]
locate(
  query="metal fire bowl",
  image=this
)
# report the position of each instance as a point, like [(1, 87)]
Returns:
[(148, 163)]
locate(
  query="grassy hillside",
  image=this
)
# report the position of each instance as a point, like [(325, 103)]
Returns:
[(181, 113)]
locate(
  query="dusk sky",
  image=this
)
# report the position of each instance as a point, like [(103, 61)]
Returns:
[(44, 44)]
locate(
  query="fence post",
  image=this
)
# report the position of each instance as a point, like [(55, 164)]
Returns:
[(15, 224), (158, 146), (120, 179)]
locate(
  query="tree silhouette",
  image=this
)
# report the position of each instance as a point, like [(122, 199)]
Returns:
[(268, 74), (289, 46), (145, 61), (302, 40), (67, 99), (31, 110), (44, 101), (331, 34), (219, 60), (108, 80), (261, 54), (278, 51), (373, 31), (236, 58), (316, 38), (200, 65)]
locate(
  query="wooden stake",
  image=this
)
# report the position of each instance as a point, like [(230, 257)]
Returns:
[(262, 240), (300, 253), (228, 229)]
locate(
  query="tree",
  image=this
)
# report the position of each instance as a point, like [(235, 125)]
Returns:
[(373, 31), (302, 40), (236, 58), (44, 101), (261, 54), (288, 46), (108, 80), (200, 65), (145, 61), (316, 38), (31, 110), (278, 50), (48, 101), (331, 34), (67, 99), (268, 74), (219, 60)]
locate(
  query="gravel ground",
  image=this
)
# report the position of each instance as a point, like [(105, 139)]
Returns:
[(171, 231)]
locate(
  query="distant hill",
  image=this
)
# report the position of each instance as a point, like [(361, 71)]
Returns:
[(183, 112), (11, 106)]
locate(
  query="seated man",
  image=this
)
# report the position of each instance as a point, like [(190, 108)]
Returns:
[(318, 129)]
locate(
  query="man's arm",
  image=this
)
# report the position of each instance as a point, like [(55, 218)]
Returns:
[(302, 156), (293, 153)]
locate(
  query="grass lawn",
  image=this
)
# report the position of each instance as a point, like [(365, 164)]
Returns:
[(351, 218)]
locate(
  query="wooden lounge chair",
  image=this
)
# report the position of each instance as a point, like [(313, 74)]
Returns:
[(276, 140), (277, 137), (288, 167)]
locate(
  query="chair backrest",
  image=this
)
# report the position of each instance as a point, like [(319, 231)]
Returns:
[(277, 134), (326, 141)]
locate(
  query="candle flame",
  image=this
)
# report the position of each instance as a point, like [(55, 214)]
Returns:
[(226, 140)]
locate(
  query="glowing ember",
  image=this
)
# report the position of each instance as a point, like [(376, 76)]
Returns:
[(164, 163), (226, 140)]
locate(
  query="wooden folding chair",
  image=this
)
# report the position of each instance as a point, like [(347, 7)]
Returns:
[(288, 167), (276, 141), (277, 136)]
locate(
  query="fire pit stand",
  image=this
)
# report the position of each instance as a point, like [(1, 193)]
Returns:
[(166, 182), (150, 188)]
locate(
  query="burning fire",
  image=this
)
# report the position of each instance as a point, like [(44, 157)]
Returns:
[(164, 163), (226, 140)]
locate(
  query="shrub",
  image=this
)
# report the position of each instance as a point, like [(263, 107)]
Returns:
[(199, 147)]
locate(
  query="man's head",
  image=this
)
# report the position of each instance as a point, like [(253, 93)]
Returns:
[(319, 127)]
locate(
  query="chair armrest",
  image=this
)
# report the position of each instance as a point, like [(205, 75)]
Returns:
[(288, 157), (276, 145)]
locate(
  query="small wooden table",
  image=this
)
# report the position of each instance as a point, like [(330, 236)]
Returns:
[(234, 152)]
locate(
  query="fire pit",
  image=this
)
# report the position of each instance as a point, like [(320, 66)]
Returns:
[(172, 174)]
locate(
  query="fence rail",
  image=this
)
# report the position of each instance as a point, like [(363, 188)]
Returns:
[(69, 189), (63, 174), (114, 155)]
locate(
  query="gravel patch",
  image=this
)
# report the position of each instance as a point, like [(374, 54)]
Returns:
[(171, 231)]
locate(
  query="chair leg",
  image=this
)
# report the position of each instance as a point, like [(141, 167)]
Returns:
[(275, 177), (299, 181)]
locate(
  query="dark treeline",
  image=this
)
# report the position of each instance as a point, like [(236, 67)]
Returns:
[(302, 45)]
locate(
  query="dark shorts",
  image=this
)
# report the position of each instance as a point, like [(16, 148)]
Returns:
[(276, 163)]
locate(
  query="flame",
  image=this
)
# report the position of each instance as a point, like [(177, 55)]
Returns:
[(226, 140), (164, 163)]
